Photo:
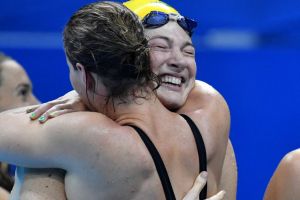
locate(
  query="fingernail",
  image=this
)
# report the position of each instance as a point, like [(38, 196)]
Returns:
[(32, 116), (204, 174), (42, 118)]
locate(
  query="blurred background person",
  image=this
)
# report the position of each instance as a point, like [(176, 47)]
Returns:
[(15, 91), (15, 85)]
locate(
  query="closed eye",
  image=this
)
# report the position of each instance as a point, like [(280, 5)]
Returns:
[(159, 47), (23, 91), (189, 51), (192, 53)]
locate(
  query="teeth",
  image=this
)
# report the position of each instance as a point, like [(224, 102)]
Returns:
[(171, 79)]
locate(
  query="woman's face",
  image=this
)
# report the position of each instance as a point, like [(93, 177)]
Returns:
[(16, 87), (172, 57)]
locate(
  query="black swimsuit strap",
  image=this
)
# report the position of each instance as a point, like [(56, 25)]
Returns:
[(201, 151), (159, 164)]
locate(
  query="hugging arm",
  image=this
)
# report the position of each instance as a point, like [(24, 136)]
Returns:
[(209, 106), (229, 175), (214, 109), (30, 144)]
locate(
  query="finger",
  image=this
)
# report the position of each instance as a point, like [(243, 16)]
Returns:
[(60, 112), (219, 196), (43, 108), (32, 108), (200, 182), (49, 115), (51, 112), (197, 187)]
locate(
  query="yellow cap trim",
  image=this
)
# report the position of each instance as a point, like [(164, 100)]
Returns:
[(143, 7)]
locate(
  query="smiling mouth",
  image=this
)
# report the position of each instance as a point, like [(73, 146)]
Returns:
[(172, 80)]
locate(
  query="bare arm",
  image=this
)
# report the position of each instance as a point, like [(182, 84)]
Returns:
[(285, 181), (229, 174), (39, 184), (30, 144)]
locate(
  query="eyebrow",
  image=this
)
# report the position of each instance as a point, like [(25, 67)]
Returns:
[(189, 44), (26, 85), (170, 41), (161, 37)]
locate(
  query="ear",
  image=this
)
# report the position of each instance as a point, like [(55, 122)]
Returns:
[(79, 67), (81, 72), (85, 76)]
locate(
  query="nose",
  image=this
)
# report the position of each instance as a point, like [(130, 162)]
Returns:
[(177, 60)]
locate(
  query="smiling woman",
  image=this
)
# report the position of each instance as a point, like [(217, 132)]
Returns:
[(173, 60)]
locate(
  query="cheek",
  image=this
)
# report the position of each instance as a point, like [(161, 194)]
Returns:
[(10, 102), (193, 69), (154, 64), (156, 61)]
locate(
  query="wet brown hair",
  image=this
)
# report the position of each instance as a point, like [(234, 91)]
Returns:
[(108, 39)]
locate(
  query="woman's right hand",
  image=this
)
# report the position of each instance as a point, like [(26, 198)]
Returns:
[(70, 102), (199, 184)]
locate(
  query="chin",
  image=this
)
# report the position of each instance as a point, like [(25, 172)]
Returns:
[(171, 104)]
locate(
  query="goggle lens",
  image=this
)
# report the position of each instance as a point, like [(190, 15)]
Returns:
[(157, 19)]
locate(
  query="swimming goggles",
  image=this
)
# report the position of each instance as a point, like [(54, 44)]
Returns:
[(157, 19)]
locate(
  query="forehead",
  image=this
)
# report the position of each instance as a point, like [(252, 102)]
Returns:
[(10, 69), (170, 30)]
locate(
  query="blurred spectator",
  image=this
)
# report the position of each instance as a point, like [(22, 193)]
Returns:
[(15, 91), (15, 85)]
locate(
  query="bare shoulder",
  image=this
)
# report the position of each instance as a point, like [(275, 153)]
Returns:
[(97, 138), (208, 106), (285, 181), (4, 194), (71, 141), (206, 98), (205, 88), (87, 128), (290, 165), (210, 96)]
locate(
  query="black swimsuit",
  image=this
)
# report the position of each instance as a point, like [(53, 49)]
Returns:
[(159, 164)]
